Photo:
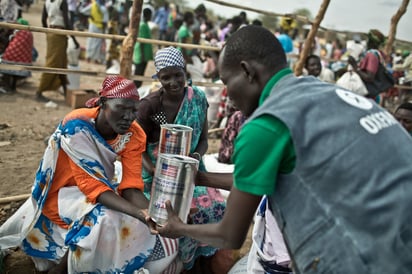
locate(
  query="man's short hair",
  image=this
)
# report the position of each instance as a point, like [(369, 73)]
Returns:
[(254, 43)]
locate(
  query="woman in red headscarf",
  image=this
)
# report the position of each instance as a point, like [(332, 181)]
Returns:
[(81, 217)]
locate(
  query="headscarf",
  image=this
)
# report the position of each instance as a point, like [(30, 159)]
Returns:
[(22, 21), (376, 37), (168, 57), (115, 87)]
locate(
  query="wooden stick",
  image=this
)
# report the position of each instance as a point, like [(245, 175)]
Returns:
[(307, 46), (403, 87), (394, 24), (16, 198), (213, 130), (61, 31), (100, 74), (105, 36), (297, 17), (128, 43)]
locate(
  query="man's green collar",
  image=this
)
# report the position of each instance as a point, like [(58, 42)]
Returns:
[(275, 78)]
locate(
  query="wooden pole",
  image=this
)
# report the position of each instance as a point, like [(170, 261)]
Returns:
[(297, 17), (101, 74), (394, 23), (7, 200), (104, 36), (128, 43), (61, 31), (307, 46)]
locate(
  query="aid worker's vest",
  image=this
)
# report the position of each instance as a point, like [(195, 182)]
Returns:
[(347, 205)]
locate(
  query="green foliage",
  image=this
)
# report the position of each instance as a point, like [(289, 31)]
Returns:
[(269, 22), (159, 3), (272, 22), (303, 12)]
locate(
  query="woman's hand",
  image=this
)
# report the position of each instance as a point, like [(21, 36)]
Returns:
[(196, 155), (150, 223), (353, 63)]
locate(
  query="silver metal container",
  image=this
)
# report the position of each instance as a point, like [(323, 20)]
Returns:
[(173, 180), (175, 139)]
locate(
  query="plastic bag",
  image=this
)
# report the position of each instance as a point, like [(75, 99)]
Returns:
[(351, 80)]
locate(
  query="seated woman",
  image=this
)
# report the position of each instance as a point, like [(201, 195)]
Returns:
[(175, 103), (19, 51), (80, 217)]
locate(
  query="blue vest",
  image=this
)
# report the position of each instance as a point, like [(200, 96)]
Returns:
[(347, 205)]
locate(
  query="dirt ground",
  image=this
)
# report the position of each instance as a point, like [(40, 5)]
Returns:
[(25, 122), (24, 125)]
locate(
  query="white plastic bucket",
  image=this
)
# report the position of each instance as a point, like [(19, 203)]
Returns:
[(73, 78)]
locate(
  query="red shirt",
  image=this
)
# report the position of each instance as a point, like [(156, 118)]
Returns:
[(20, 48), (369, 63)]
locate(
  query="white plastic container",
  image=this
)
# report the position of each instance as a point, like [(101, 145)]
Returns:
[(73, 78)]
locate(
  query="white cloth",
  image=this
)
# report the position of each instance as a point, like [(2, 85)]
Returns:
[(352, 81), (267, 241), (95, 47), (54, 13), (354, 49), (327, 75), (240, 266), (73, 53), (212, 165)]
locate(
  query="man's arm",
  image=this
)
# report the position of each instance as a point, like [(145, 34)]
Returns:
[(44, 17), (229, 233), (365, 75), (215, 180), (65, 10)]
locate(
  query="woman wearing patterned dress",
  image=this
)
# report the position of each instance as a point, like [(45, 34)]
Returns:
[(175, 103)]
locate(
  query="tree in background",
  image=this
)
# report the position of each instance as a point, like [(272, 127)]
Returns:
[(269, 22)]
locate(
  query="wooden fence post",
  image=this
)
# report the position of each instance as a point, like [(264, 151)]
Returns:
[(128, 43), (394, 24), (307, 46)]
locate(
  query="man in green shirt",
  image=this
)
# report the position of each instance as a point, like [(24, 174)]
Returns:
[(185, 36), (342, 205), (143, 53), (268, 129)]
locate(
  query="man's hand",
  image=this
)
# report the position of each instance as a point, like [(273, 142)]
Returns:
[(173, 227), (353, 63)]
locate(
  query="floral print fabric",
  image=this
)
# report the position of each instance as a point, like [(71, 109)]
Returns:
[(209, 201), (99, 240)]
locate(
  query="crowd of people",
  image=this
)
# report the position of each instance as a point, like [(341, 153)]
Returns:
[(321, 172), (168, 22)]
